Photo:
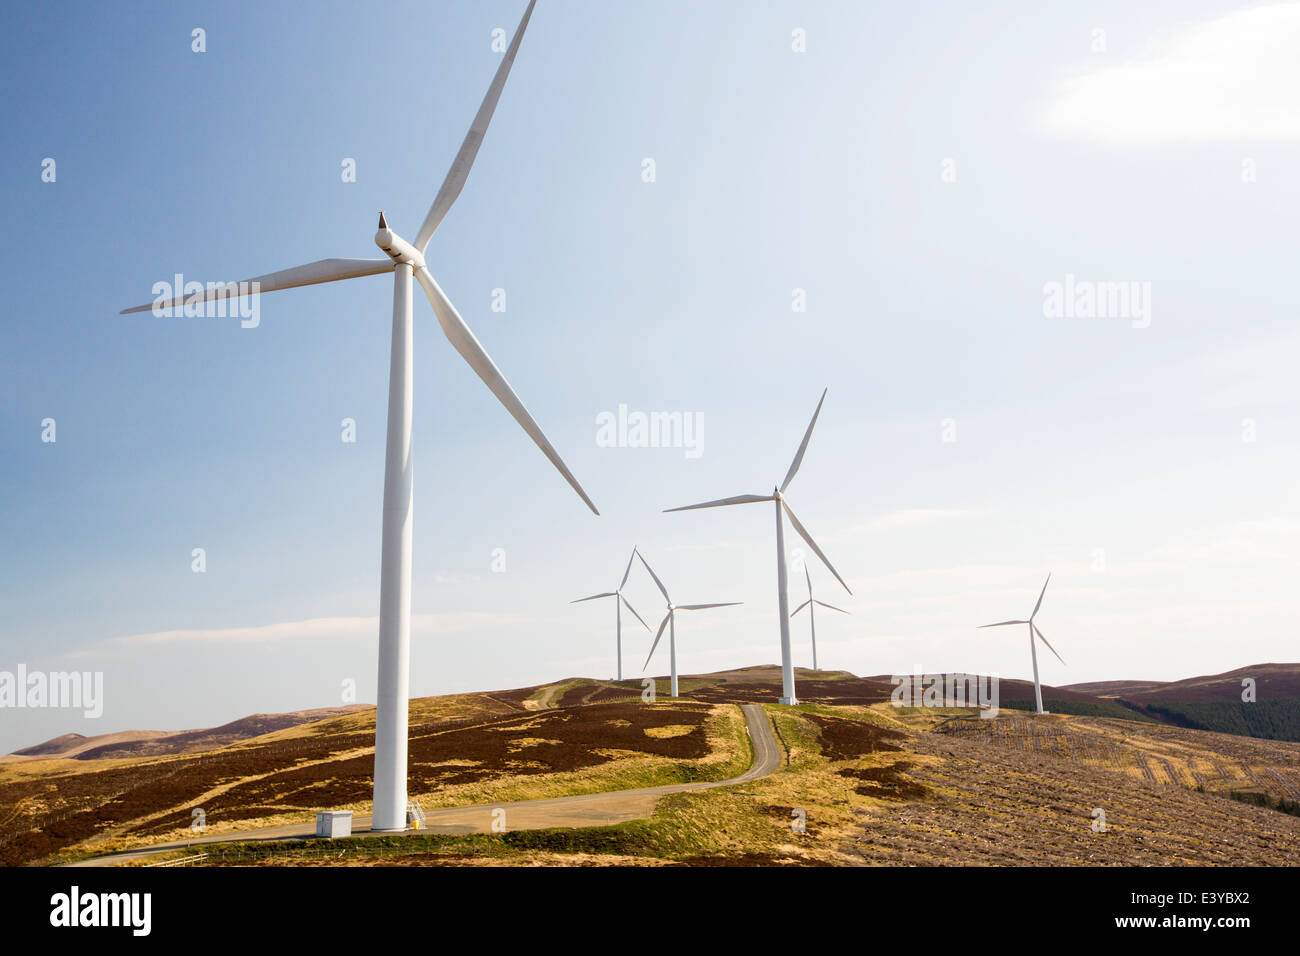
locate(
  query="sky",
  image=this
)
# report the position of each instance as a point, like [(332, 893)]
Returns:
[(888, 203)]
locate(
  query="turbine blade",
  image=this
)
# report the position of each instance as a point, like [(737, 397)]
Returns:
[(1040, 597), (460, 166), (803, 533), (803, 446), (313, 273), (633, 610), (1001, 624), (701, 607), (656, 643), (662, 590), (807, 577), (593, 597), (630, 558), (1044, 640), (800, 608), (738, 500), (460, 336), (830, 607)]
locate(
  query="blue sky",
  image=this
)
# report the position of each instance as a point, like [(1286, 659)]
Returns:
[(1109, 452)]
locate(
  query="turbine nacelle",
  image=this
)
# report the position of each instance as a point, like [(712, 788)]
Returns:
[(397, 248)]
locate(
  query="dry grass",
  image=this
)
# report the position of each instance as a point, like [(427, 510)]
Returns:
[(875, 784), (523, 759), (1153, 753)]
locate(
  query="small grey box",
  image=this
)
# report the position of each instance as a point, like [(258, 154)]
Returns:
[(334, 823)]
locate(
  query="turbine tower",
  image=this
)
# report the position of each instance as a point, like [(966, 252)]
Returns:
[(783, 604), (670, 622), (812, 619), (619, 601), (1033, 648), (405, 261)]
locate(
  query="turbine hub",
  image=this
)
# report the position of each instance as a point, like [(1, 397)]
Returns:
[(397, 248)]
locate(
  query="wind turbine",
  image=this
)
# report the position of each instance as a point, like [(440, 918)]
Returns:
[(619, 601), (405, 261), (1033, 648), (812, 619), (783, 605), (670, 622)]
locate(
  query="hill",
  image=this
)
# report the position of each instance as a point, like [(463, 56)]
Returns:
[(152, 743), (1214, 702), (875, 783)]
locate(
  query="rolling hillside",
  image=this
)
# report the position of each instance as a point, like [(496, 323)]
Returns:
[(1215, 702), (153, 743), (877, 783)]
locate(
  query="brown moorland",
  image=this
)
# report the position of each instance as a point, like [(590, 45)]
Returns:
[(879, 784), (990, 801)]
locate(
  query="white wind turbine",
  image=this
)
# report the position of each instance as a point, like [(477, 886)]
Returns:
[(406, 261), (783, 605), (670, 622), (1033, 648), (810, 604), (619, 601)]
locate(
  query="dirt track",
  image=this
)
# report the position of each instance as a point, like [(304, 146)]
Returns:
[(585, 810)]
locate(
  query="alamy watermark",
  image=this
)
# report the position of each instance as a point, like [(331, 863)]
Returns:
[(74, 908), (56, 690), (209, 302), (1087, 299), (626, 429), (946, 690)]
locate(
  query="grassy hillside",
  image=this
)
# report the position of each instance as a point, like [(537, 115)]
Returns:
[(509, 749), (874, 783), (1269, 719), (1214, 702)]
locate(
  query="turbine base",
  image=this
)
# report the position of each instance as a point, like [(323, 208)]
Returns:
[(789, 701)]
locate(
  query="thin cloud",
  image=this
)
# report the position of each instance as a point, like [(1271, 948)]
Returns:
[(901, 519), (1236, 78), (447, 578), (1256, 374), (914, 517), (317, 628)]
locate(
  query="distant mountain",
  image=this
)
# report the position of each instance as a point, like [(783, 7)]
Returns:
[(1272, 681), (71, 745), (154, 743), (1211, 702), (1214, 702), (1114, 688), (1019, 695)]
